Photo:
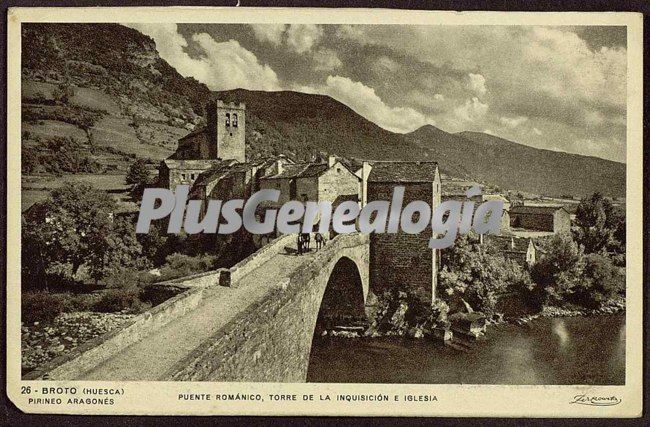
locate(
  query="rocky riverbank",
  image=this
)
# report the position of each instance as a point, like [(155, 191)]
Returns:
[(42, 342), (614, 306), (395, 322)]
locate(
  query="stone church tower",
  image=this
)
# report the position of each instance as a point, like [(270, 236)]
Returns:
[(223, 138), (226, 128)]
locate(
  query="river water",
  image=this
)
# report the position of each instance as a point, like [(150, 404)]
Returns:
[(564, 350)]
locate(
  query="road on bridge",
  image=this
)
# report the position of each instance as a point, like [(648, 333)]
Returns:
[(150, 358)]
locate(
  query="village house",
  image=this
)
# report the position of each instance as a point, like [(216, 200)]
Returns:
[(453, 189), (550, 219), (317, 182), (505, 218), (519, 249), (400, 259), (212, 160), (173, 172)]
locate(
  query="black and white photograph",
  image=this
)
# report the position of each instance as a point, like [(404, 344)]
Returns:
[(142, 146)]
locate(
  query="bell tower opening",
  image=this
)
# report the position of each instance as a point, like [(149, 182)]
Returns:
[(227, 130)]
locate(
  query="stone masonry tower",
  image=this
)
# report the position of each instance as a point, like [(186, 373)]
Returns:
[(226, 128), (400, 260)]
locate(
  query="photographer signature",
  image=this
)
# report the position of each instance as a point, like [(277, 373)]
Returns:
[(583, 399)]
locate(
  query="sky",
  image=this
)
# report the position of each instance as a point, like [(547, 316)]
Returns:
[(557, 88)]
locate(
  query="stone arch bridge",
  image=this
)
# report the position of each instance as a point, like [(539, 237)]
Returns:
[(258, 328)]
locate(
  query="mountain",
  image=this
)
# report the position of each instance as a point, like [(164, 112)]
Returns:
[(96, 96), (105, 87), (522, 167), (304, 125)]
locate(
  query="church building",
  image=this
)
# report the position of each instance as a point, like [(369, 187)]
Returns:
[(223, 138)]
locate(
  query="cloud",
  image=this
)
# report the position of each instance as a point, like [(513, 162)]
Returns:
[(302, 37), (352, 32), (512, 122), (384, 65), (271, 33), (472, 110), (231, 66), (326, 60), (555, 75), (567, 83), (365, 102), (221, 65), (477, 84)]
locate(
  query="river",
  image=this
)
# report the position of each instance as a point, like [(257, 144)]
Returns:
[(563, 350)]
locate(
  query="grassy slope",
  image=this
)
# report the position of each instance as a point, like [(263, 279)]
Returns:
[(145, 105)]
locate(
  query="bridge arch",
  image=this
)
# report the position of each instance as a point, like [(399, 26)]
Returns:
[(344, 297)]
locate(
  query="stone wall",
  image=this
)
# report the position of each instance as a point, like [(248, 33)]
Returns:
[(283, 185), (399, 259), (181, 172), (307, 189), (530, 221), (271, 339), (561, 222), (338, 181), (194, 146)]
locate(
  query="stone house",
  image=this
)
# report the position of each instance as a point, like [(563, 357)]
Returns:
[(173, 172), (331, 181), (519, 249), (400, 260), (455, 194), (554, 219), (225, 180), (505, 218)]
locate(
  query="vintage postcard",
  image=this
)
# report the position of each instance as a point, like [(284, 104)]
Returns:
[(220, 211)]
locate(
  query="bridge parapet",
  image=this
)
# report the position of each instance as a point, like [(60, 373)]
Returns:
[(259, 330), (271, 339)]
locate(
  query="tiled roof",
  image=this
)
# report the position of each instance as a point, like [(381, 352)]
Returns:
[(403, 172), (301, 170), (505, 243), (290, 171), (194, 132), (191, 163), (216, 172), (535, 210), (351, 163), (313, 170)]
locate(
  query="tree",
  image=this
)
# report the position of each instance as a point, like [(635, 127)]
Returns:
[(154, 244), (560, 269), (138, 177), (477, 275), (600, 225), (78, 228), (602, 280), (63, 93), (114, 251)]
